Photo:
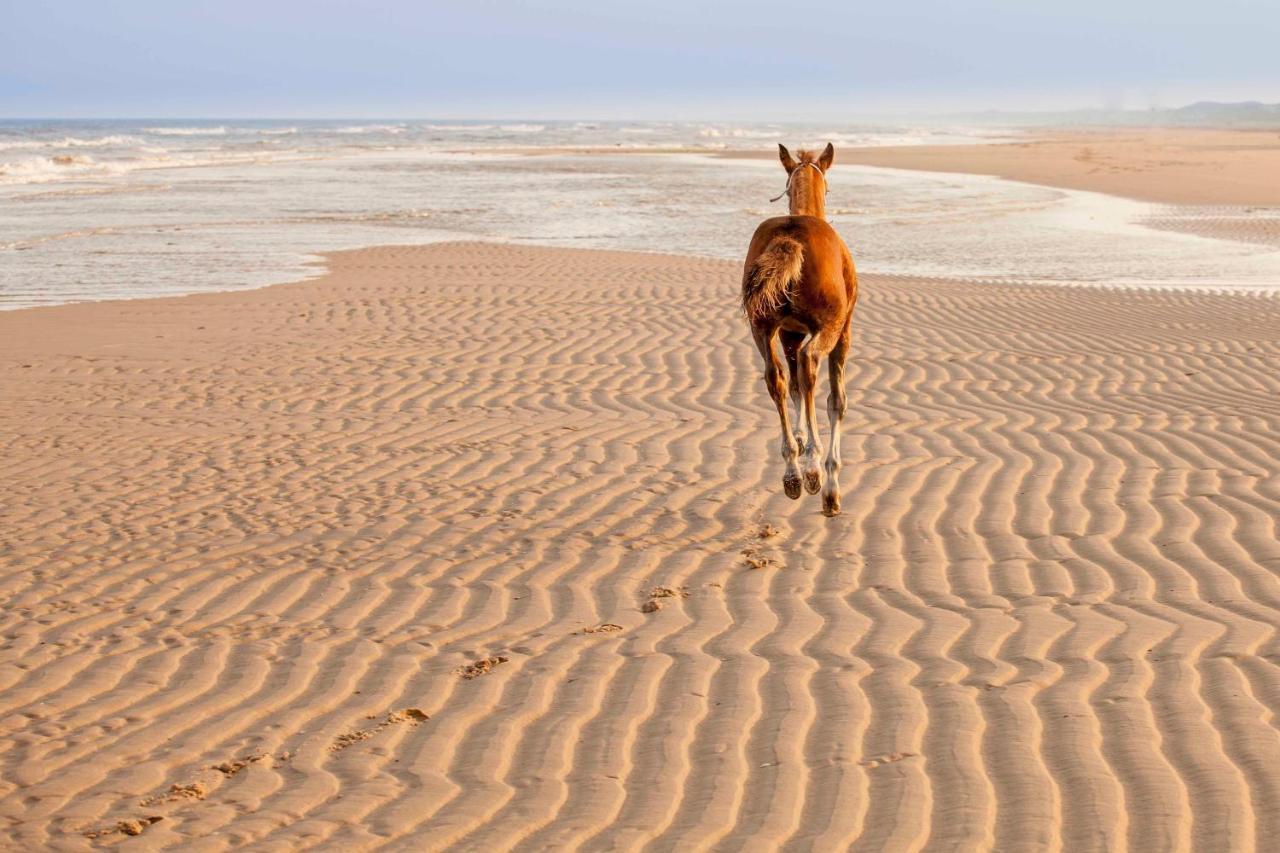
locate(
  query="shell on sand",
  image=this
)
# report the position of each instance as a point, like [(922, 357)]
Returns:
[(264, 523)]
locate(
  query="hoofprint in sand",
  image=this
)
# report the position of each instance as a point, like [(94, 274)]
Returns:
[(481, 546)]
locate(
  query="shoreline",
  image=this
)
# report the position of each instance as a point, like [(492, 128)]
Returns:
[(1210, 265), (323, 259), (391, 536), (1234, 167)]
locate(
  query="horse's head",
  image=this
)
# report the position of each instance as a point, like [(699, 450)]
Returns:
[(807, 180)]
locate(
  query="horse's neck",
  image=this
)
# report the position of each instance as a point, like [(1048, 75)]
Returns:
[(806, 200)]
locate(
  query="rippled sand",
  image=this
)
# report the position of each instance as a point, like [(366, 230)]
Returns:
[(484, 547)]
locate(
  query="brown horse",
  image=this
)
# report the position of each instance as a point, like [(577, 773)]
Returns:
[(798, 290)]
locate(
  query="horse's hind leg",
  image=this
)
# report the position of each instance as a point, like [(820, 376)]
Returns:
[(808, 363), (775, 379), (791, 342), (835, 413)]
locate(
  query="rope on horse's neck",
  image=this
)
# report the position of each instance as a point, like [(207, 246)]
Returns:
[(787, 190)]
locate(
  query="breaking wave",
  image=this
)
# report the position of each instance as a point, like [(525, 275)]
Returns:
[(187, 131), (68, 142)]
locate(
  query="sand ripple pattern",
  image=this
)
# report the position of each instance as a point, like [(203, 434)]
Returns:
[(1241, 224), (448, 550)]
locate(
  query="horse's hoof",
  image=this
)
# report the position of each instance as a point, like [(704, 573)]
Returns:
[(791, 485), (830, 505), (813, 481)]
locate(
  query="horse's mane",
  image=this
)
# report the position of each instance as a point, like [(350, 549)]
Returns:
[(806, 157)]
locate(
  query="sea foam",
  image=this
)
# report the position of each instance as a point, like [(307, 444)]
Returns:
[(115, 140), (187, 131)]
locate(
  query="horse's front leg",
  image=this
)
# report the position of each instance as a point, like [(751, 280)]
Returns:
[(835, 412)]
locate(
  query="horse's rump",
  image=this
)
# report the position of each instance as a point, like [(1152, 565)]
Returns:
[(768, 283)]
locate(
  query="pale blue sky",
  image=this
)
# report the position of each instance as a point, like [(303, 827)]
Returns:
[(656, 59)]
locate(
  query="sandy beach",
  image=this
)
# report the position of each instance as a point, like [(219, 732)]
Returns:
[(483, 547), (387, 461), (1195, 166)]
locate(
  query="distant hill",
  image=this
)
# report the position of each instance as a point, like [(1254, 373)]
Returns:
[(1240, 112), (1199, 114)]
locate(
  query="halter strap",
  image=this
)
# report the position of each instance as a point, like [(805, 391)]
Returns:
[(787, 190)]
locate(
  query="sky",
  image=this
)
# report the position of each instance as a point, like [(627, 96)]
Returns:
[(655, 59)]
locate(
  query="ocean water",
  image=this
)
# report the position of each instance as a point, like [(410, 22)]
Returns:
[(125, 209)]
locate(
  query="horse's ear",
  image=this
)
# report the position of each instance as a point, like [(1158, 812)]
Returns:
[(788, 162), (828, 155)]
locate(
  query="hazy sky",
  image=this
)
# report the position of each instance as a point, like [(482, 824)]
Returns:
[(649, 58)]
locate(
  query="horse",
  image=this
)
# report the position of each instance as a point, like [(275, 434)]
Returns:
[(799, 287)]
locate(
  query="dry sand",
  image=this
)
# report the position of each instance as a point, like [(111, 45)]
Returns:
[(485, 547), (1170, 166)]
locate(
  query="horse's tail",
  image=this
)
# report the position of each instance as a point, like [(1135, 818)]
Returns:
[(768, 284)]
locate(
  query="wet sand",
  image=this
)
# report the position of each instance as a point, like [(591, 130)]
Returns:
[(1165, 165), (485, 546)]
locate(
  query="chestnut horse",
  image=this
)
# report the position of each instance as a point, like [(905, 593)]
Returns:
[(798, 290)]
